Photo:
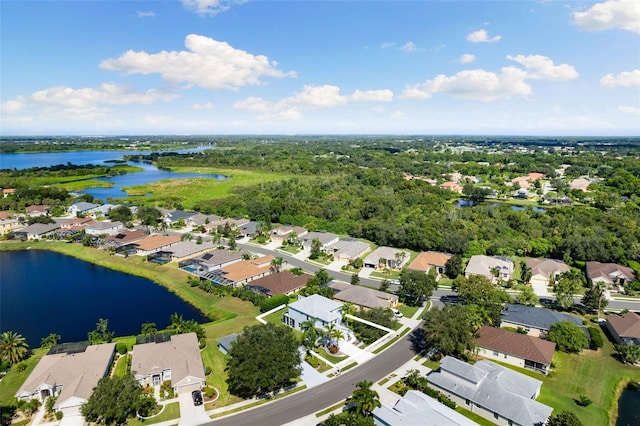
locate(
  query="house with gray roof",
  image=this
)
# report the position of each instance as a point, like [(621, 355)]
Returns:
[(325, 311), (70, 376), (37, 231), (416, 408), (486, 266), (186, 249), (613, 275), (81, 208), (535, 321), (363, 297), (325, 238), (386, 257), (104, 227), (496, 393), (209, 262), (177, 360), (625, 329), (173, 216), (285, 232), (225, 342), (545, 271), (348, 249)]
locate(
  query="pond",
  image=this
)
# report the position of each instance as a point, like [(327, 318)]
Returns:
[(629, 406), (461, 203), (45, 292)]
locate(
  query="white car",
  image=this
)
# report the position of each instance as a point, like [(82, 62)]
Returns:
[(397, 313)]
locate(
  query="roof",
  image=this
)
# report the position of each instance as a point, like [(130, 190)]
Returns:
[(83, 206), (608, 271), (494, 387), (78, 373), (40, 228), (416, 408), (349, 246), (363, 296), (317, 306), (540, 318), (181, 354), (287, 229), (99, 226), (482, 265), (546, 267), (516, 344), (225, 342), (383, 253), (186, 248), (240, 271), (218, 257), (153, 242), (323, 237), (425, 260), (282, 282), (127, 236), (37, 208), (627, 325), (200, 219)]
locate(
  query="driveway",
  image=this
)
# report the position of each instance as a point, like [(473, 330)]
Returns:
[(190, 415), (310, 376), (354, 352)]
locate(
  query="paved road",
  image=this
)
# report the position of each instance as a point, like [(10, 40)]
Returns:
[(319, 397)]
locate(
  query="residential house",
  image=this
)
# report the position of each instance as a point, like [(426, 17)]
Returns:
[(613, 275), (525, 182), (102, 210), (239, 273), (515, 348), (124, 237), (496, 393), (4, 215), (172, 217), (285, 232), (625, 329), (326, 239), (225, 343), (535, 321), (69, 375), (580, 183), (78, 223), (416, 408), (8, 225), (81, 208), (386, 257), (494, 268), (348, 249), (104, 228), (430, 259), (8, 191), (283, 282), (324, 311), (452, 186), (186, 249), (37, 210), (206, 264), (155, 243), (364, 297), (37, 231), (177, 360), (545, 271)]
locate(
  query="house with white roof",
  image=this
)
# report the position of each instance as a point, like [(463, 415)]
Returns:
[(416, 408), (545, 271), (325, 238), (386, 257), (489, 267), (492, 391), (325, 311)]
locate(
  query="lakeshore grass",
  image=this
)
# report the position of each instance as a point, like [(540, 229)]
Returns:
[(10, 384)]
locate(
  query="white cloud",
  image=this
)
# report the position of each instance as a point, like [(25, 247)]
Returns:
[(623, 14), (541, 67), (409, 47), (372, 96), (206, 63), (624, 79), (148, 14), (105, 94), (325, 96), (198, 106), (388, 45), (629, 109), (13, 106), (209, 7), (254, 104), (467, 58), (482, 36), (485, 85)]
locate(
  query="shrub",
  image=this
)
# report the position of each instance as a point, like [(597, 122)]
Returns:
[(209, 392), (122, 348), (207, 370), (596, 338), (273, 302), (21, 367), (59, 415), (583, 400)]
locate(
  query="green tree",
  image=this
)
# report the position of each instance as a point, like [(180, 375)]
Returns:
[(101, 333), (415, 286), (475, 193), (564, 418), (629, 353), (323, 277), (148, 328), (122, 214), (453, 267), (263, 359), (114, 400), (595, 298), (355, 279), (568, 285), (50, 341), (568, 337), (526, 295), (13, 347), (364, 398), (449, 330), (276, 264), (525, 272)]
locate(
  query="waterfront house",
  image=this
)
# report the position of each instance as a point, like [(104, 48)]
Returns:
[(176, 360), (104, 228), (496, 393), (187, 249), (239, 273), (8, 225), (81, 208), (348, 249), (155, 243), (225, 342), (209, 262), (545, 271), (625, 329), (324, 311), (430, 259), (37, 231)]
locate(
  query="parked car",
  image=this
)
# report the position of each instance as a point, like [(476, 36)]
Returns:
[(397, 313), (197, 397)]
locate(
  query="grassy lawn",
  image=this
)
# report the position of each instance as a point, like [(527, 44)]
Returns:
[(290, 249), (392, 275), (10, 384), (331, 358), (171, 411), (408, 311), (473, 416), (275, 317), (121, 366)]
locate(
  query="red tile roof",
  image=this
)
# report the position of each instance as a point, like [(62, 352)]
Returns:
[(516, 344), (627, 325), (282, 282)]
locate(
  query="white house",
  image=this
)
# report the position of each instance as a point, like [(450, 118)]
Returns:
[(387, 257), (81, 208), (416, 408), (325, 311), (101, 228)]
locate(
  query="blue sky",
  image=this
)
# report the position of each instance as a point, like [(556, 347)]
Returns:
[(320, 67)]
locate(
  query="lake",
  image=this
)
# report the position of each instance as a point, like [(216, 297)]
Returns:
[(468, 203), (149, 175), (45, 292), (629, 407)]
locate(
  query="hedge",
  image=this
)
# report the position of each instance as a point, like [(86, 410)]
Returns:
[(274, 302)]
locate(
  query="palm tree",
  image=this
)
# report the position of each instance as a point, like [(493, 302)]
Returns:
[(338, 335), (365, 398), (329, 333), (310, 333), (347, 309), (13, 347), (276, 264), (50, 341)]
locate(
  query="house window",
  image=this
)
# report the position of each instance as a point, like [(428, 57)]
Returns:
[(466, 401), (495, 416), (495, 353), (166, 375)]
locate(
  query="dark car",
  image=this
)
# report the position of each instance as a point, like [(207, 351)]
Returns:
[(197, 397)]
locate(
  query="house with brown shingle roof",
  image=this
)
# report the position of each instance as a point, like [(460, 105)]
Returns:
[(430, 259), (625, 329), (284, 232), (515, 348), (240, 273), (69, 376), (612, 274), (542, 270), (155, 243), (125, 236), (283, 282), (38, 210), (8, 191), (452, 186), (365, 298)]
